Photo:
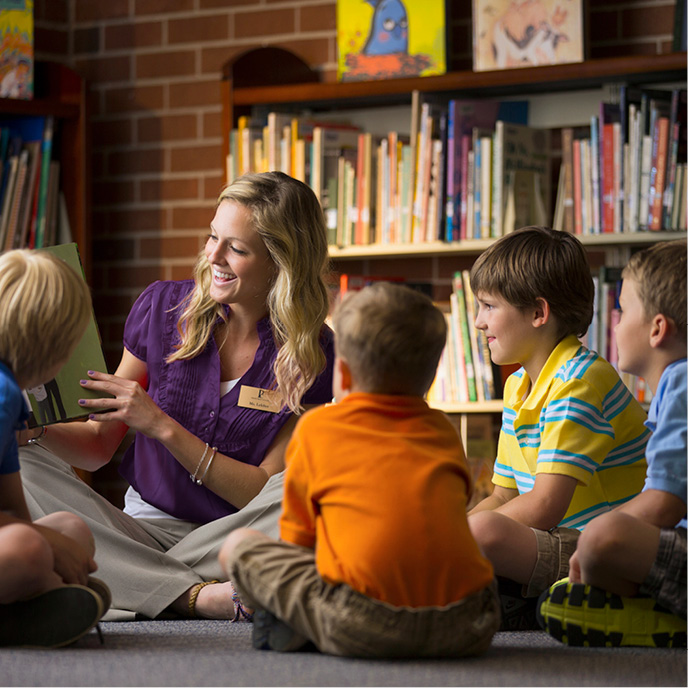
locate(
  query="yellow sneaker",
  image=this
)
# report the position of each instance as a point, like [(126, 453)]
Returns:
[(585, 616)]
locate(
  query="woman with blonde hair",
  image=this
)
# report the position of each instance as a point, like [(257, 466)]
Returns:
[(214, 372)]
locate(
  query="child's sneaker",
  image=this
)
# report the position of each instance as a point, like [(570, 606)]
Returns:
[(518, 612), (585, 616), (52, 619)]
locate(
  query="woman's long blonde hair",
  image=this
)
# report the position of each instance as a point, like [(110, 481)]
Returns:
[(287, 216)]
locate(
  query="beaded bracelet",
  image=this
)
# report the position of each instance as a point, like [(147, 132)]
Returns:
[(199, 481), (195, 473), (41, 435)]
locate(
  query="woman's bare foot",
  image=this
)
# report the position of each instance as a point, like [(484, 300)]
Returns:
[(213, 601)]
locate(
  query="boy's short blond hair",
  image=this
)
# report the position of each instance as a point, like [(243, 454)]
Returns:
[(539, 262), (44, 309), (392, 338), (660, 275)]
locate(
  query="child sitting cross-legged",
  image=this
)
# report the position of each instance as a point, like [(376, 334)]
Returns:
[(627, 580), (376, 558), (47, 597), (572, 442)]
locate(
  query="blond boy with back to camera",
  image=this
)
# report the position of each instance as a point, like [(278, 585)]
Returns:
[(376, 558)]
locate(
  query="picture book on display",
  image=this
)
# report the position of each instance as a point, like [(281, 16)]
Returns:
[(57, 400), (16, 49), (388, 39), (509, 34)]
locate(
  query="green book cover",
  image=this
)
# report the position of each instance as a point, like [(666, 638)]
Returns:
[(57, 400)]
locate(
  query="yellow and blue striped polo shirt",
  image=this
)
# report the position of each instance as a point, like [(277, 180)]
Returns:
[(580, 420)]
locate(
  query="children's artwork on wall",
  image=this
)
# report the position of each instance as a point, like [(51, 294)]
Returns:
[(388, 39), (16, 49), (526, 33)]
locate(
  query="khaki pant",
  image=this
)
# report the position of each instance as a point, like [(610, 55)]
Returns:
[(147, 563), (554, 549), (283, 579)]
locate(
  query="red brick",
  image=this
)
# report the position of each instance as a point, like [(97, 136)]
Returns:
[(118, 132), (264, 23), (51, 11), (134, 277), (135, 161), (221, 4), (212, 125), (198, 29), (160, 7), (313, 51), (176, 63), (188, 159), (179, 247), (193, 217), (136, 220), (111, 192), (644, 22), (130, 36), (317, 17), (112, 249), (87, 40), (89, 10), (134, 99), (214, 59), (105, 69), (157, 190), (181, 272), (50, 40), (196, 93), (166, 128), (212, 186)]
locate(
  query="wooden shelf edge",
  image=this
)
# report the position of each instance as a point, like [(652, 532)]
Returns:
[(493, 406), (475, 246), (567, 76)]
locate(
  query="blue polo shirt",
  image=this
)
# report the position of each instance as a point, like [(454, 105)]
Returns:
[(666, 449), (13, 414)]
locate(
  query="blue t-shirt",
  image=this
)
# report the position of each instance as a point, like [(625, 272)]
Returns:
[(667, 449), (13, 414)]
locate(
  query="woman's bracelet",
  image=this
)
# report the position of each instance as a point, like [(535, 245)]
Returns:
[(200, 463), (199, 481), (39, 436)]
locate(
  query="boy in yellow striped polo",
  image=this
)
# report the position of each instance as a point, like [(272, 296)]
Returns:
[(572, 443)]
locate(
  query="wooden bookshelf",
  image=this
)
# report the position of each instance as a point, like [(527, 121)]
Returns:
[(59, 91)]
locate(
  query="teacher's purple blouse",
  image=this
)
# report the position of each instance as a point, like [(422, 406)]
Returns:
[(189, 392)]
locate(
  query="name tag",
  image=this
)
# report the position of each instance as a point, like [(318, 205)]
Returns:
[(260, 399)]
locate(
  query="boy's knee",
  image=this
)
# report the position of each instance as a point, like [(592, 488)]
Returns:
[(27, 549), (71, 526), (603, 537), (233, 540)]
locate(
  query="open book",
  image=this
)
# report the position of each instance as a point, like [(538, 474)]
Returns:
[(57, 400)]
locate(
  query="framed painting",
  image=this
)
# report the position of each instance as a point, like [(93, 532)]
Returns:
[(387, 39), (509, 34)]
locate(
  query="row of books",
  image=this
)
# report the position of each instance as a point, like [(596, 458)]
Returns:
[(475, 169), (29, 183), (625, 172), (465, 372)]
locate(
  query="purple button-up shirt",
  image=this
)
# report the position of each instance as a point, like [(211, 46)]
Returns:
[(189, 392)]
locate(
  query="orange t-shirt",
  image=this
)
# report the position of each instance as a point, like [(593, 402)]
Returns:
[(378, 486)]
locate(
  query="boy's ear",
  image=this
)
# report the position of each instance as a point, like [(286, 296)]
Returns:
[(660, 328), (541, 313), (344, 374)]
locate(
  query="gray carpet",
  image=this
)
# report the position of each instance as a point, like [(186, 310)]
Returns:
[(217, 653)]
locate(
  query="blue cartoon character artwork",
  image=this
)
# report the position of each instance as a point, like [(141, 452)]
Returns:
[(383, 39)]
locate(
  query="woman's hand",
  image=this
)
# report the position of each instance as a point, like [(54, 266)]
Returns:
[(131, 404)]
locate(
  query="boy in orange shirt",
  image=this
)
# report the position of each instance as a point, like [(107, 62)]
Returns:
[(376, 558)]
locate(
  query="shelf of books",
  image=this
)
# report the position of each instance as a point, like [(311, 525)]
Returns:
[(43, 200), (467, 167)]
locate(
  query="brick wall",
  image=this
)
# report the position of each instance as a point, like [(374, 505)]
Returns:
[(153, 69)]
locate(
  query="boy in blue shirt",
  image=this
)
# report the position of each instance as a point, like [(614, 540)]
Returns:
[(627, 577), (47, 598)]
